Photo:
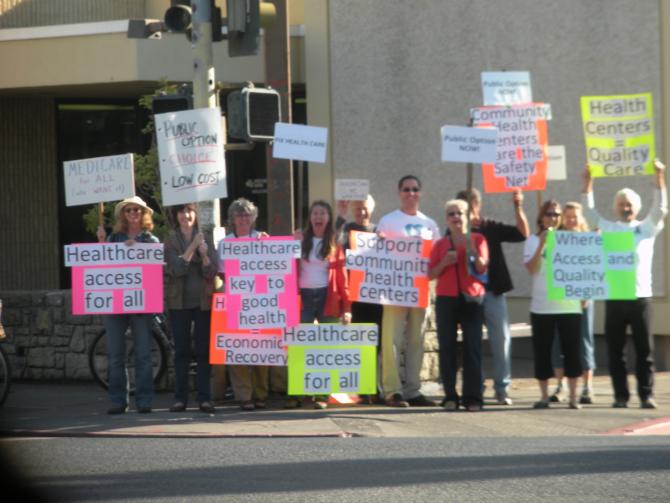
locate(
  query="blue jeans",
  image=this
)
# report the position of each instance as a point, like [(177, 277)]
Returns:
[(313, 303), (180, 320), (586, 343), (500, 340), (140, 326), (449, 313)]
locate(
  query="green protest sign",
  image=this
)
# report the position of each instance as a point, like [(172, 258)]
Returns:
[(327, 358), (590, 265)]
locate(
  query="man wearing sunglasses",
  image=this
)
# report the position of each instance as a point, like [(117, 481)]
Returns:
[(499, 282), (401, 326), (636, 313)]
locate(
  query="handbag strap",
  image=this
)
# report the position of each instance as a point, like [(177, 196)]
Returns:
[(452, 247)]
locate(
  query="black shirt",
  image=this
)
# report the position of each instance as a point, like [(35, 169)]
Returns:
[(497, 233)]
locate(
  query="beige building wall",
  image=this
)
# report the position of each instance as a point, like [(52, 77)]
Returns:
[(385, 76)]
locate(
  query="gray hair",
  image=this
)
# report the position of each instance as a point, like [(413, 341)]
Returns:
[(242, 205), (632, 197)]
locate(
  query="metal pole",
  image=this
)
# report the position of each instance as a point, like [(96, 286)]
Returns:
[(204, 89), (278, 76)]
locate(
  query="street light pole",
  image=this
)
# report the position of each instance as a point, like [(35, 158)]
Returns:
[(204, 88)]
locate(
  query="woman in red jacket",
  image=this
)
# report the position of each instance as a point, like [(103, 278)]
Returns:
[(458, 262), (324, 290)]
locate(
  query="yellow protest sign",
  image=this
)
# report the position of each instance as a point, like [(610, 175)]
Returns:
[(619, 134)]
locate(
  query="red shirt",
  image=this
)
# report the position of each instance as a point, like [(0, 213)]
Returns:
[(447, 283)]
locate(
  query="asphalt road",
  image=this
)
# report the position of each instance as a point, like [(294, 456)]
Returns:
[(585, 468)]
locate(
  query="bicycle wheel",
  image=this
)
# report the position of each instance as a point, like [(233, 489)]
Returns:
[(5, 375), (98, 361)]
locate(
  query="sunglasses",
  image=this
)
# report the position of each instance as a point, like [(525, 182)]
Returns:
[(454, 213), (552, 214), (132, 210), (411, 189)]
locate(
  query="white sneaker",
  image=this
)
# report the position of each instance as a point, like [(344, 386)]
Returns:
[(503, 399)]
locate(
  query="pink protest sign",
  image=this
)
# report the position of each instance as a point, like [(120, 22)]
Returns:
[(112, 278), (261, 281)]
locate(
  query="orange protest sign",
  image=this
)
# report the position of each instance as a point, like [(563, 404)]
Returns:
[(234, 346), (392, 271), (522, 145)]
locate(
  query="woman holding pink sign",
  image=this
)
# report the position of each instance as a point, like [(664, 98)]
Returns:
[(250, 382), (189, 284), (133, 224)]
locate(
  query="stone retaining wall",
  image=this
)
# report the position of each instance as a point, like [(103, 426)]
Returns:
[(46, 342)]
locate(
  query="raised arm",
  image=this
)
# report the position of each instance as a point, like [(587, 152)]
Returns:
[(519, 214), (588, 203), (659, 207)]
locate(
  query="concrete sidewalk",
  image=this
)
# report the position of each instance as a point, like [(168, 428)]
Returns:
[(79, 409)]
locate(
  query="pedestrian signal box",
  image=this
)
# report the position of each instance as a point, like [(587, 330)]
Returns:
[(253, 113)]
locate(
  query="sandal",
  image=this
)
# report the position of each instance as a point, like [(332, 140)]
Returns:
[(541, 404)]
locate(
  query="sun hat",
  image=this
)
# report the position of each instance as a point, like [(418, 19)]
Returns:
[(131, 200)]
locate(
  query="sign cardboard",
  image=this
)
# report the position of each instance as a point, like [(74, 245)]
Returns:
[(191, 156), (113, 278), (392, 271), (329, 358), (261, 281), (98, 179), (589, 265), (262, 346), (467, 144), (619, 134), (506, 88), (351, 189), (556, 167), (300, 143), (521, 149)]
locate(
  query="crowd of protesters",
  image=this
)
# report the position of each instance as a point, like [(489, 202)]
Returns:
[(471, 278)]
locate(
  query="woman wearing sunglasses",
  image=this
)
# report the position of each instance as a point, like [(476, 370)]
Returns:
[(460, 295), (548, 317), (134, 224)]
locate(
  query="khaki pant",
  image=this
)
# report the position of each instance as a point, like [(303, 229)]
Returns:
[(402, 330), (249, 382)]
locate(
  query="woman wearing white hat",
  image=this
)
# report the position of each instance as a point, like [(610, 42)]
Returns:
[(134, 224)]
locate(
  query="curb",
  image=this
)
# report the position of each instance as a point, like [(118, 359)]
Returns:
[(649, 427)]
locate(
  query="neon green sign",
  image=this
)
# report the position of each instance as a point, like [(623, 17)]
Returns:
[(619, 134), (590, 265)]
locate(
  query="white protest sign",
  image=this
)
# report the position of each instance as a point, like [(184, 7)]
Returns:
[(192, 162), (351, 189), (467, 144), (506, 88), (99, 179), (300, 143), (556, 169)]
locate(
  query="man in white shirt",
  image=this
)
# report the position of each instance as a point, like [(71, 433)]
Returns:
[(636, 313), (401, 326)]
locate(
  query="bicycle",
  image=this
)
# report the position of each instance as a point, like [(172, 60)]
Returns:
[(161, 347), (5, 370)]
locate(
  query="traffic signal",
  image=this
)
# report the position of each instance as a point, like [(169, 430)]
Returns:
[(171, 103), (253, 113), (179, 18), (245, 19)]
